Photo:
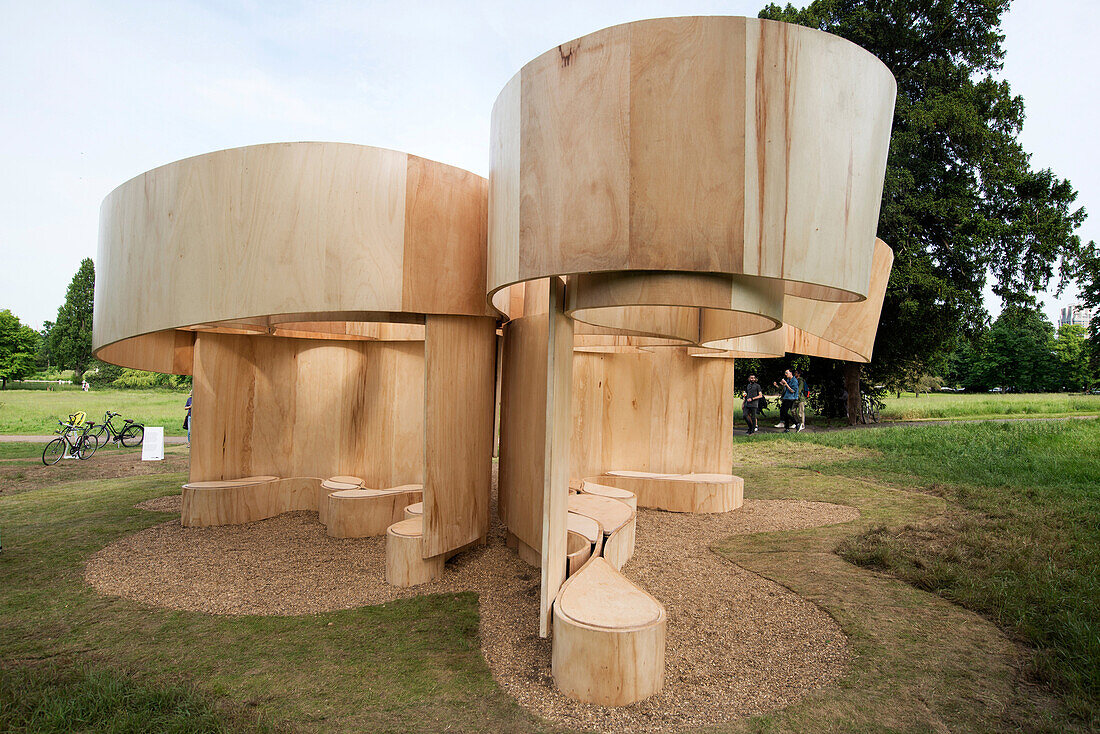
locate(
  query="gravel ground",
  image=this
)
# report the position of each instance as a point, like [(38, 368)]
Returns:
[(738, 644)]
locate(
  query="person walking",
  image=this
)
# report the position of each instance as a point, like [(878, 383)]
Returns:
[(790, 388), (751, 405)]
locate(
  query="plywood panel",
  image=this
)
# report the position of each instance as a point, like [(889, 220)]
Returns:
[(314, 231), (574, 111), (555, 503), (725, 145), (661, 410), (291, 407), (523, 428), (688, 196), (460, 354), (445, 237)]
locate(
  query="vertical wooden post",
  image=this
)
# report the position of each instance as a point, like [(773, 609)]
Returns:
[(459, 394), (556, 461)]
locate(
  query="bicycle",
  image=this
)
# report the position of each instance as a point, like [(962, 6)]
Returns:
[(131, 433), (65, 446), (870, 408)]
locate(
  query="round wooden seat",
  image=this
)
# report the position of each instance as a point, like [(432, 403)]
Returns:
[(361, 513), (404, 564), (239, 501), (615, 493), (639, 474), (584, 525), (610, 514), (218, 483), (405, 488), (414, 510), (333, 485), (356, 493), (616, 519), (609, 638), (698, 493), (704, 478), (412, 527), (346, 479)]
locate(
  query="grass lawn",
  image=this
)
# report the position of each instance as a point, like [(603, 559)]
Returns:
[(947, 406), (1017, 502), (36, 412)]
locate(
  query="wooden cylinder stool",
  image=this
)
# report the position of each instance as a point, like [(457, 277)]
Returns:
[(404, 564)]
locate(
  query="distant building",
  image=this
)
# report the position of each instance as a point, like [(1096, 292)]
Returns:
[(1078, 315)]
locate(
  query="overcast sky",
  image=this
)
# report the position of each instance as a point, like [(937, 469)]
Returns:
[(94, 93)]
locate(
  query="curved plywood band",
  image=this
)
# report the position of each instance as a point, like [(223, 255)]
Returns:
[(577, 552), (617, 520), (234, 503), (832, 330), (592, 486), (404, 564), (298, 232), (414, 510), (609, 638), (778, 172), (362, 513), (692, 307), (696, 493)]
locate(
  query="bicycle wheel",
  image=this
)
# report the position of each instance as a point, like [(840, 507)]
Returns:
[(53, 452), (86, 446), (132, 435), (100, 433)]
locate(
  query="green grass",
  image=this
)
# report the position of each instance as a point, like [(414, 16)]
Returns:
[(1026, 492), (32, 412), (952, 406), (63, 699), (1020, 541), (410, 665)]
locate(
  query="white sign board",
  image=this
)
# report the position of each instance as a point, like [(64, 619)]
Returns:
[(152, 448)]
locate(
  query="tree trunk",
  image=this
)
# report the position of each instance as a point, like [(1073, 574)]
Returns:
[(855, 401)]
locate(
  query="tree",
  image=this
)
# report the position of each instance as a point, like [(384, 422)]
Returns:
[(44, 356), (1017, 353), (1071, 352), (71, 336), (960, 198), (18, 343)]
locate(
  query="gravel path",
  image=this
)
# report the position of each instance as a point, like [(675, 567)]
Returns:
[(738, 644)]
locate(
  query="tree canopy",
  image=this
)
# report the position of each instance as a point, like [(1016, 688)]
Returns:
[(70, 337), (961, 199), (18, 343)]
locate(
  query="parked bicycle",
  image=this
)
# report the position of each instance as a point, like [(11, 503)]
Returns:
[(73, 441), (130, 434), (871, 405)]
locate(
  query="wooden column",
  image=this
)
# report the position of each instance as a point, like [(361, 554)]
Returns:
[(459, 394), (555, 497)]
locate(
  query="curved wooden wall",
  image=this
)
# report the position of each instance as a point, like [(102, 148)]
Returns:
[(661, 410), (777, 173), (308, 231), (305, 407)]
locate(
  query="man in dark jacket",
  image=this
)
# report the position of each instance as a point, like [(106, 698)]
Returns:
[(751, 405)]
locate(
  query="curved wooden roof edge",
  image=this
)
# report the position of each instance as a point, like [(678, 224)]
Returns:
[(319, 230)]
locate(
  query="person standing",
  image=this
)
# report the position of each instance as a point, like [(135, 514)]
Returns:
[(187, 418), (751, 405), (790, 390), (803, 396)]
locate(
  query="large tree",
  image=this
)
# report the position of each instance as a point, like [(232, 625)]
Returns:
[(71, 335), (18, 343), (961, 199), (1071, 354)]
